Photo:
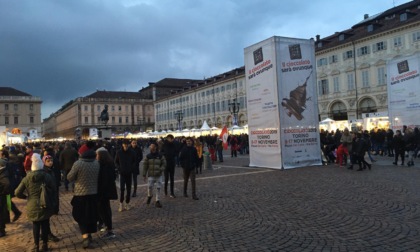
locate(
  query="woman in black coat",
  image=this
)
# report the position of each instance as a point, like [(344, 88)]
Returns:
[(106, 190), (399, 147)]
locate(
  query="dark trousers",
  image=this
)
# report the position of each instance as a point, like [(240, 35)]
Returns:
[(105, 213), (169, 176), (220, 155), (189, 174), (125, 183), (41, 226), (401, 154), (135, 183)]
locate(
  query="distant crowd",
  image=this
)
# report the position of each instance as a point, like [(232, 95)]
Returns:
[(89, 169)]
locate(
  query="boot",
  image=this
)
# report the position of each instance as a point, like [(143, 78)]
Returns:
[(35, 248), (45, 247)]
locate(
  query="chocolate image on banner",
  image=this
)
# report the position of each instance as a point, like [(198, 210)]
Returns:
[(258, 56), (297, 102), (295, 52), (403, 67)]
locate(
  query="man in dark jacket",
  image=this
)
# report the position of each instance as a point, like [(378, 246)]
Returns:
[(189, 159), (139, 156), (169, 150), (125, 160), (4, 191), (66, 159)]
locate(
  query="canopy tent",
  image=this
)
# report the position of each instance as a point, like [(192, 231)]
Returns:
[(205, 126)]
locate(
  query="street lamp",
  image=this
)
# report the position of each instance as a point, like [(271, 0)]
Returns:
[(234, 109), (140, 121), (179, 117)]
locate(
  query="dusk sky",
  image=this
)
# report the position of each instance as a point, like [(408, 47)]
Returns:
[(63, 49)]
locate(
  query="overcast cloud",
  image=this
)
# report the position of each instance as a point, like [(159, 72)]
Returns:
[(63, 49)]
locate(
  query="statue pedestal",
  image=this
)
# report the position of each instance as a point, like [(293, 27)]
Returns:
[(104, 132)]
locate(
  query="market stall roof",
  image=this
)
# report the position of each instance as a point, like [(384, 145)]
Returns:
[(205, 126)]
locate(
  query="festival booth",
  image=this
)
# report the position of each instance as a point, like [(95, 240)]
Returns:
[(282, 103), (205, 129)]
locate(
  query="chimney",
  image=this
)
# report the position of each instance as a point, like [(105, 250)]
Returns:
[(366, 16), (318, 37)]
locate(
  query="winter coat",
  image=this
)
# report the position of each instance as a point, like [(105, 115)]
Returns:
[(139, 157), (67, 158), (125, 161), (4, 181), (188, 157), (107, 189), (32, 185), (170, 151), (153, 165), (85, 174)]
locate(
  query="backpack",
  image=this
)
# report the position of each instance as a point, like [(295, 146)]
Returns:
[(46, 198)]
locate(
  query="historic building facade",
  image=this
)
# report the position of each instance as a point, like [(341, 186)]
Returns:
[(352, 64), (128, 112), (20, 112), (209, 100)]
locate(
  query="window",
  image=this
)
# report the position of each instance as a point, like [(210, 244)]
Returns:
[(370, 28), (365, 78), (86, 119), (363, 51), (119, 108), (241, 102), (86, 108), (112, 108), (6, 120), (348, 55), (31, 119), (350, 81), (397, 42), (207, 93), (98, 108), (208, 108), (203, 109), (333, 59), (217, 106), (223, 106), (31, 107), (126, 108), (323, 87), (15, 106), (336, 84), (416, 36), (381, 76), (240, 84), (379, 46), (222, 89), (322, 62), (217, 90), (199, 110), (203, 94), (113, 120), (6, 106), (126, 119), (120, 119), (403, 17), (341, 37), (16, 120), (228, 87)]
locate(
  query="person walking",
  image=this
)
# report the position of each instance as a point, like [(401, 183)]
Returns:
[(85, 174), (107, 191), (170, 152), (153, 166), (125, 161), (67, 158), (39, 216), (189, 159), (399, 147), (136, 169), (4, 191)]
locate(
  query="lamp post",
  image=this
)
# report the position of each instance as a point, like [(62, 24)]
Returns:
[(179, 117), (140, 121), (234, 109)]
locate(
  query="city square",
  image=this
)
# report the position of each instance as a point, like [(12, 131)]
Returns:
[(319, 208)]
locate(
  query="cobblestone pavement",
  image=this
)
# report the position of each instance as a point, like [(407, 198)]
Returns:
[(323, 208)]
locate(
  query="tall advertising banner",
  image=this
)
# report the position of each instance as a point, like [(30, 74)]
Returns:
[(282, 103), (404, 91), (262, 104), (299, 123)]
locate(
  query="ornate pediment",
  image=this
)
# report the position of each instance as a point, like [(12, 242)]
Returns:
[(335, 72), (364, 65), (380, 62)]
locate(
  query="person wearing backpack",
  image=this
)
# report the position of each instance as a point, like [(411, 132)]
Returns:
[(40, 216)]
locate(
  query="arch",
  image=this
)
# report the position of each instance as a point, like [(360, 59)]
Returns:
[(219, 123), (229, 121), (184, 125), (367, 105), (338, 111), (242, 120), (191, 124)]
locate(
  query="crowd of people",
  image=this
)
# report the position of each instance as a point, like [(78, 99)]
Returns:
[(351, 148), (89, 169)]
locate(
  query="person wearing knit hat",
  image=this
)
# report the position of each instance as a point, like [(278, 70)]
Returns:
[(39, 216), (85, 174)]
